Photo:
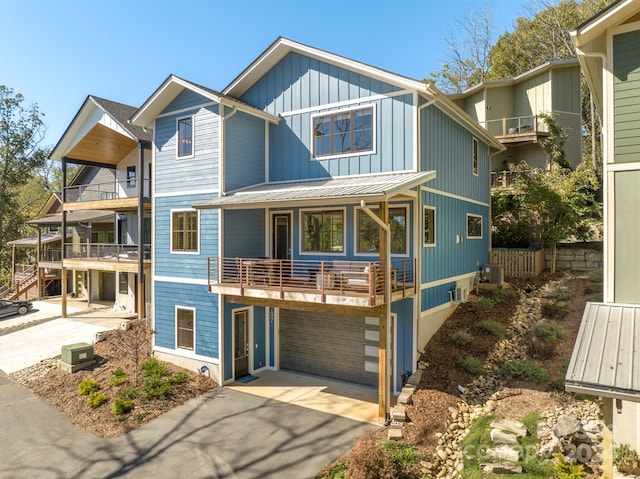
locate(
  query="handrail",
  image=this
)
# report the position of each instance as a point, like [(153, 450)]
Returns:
[(358, 278), (105, 251), (515, 125), (14, 287), (111, 190)]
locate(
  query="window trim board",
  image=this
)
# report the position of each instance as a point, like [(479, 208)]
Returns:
[(183, 210), (175, 320), (356, 231), (345, 219), (374, 122)]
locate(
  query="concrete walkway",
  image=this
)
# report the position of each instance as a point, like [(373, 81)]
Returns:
[(222, 434)]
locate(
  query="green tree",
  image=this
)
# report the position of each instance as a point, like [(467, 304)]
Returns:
[(558, 204), (21, 132)]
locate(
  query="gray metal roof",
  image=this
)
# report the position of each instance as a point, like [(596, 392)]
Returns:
[(605, 359), (32, 241), (75, 217), (321, 191)]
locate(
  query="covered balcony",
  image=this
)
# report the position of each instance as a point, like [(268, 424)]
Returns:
[(335, 282), (117, 195), (104, 256)]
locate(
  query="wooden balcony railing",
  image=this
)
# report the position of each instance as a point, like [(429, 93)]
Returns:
[(334, 281), (105, 252)]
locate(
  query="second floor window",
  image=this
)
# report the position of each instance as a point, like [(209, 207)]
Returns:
[(184, 231), (131, 176), (185, 137), (475, 157), (345, 132), (474, 226), (323, 231)]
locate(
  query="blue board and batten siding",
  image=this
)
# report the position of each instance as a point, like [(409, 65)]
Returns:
[(244, 150), (298, 88), (456, 192)]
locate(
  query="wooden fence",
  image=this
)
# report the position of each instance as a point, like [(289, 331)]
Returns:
[(519, 263)]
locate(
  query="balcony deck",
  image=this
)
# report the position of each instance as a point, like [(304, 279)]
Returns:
[(340, 283), (107, 257), (119, 195)]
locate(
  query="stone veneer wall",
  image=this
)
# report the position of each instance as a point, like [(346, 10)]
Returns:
[(575, 257)]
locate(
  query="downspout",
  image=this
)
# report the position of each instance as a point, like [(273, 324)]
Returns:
[(609, 292), (387, 293)]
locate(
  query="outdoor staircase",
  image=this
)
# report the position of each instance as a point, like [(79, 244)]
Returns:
[(22, 284)]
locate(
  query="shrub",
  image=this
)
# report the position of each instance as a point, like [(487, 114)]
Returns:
[(369, 460), (549, 331), (472, 365), (156, 387), (560, 294), (567, 470), (501, 294), (117, 377), (179, 378), (128, 393), (400, 453), (87, 386), (557, 386), (525, 370), (482, 304), (625, 458), (595, 276), (492, 327), (96, 399), (121, 406), (154, 368), (461, 337), (337, 470), (558, 310)]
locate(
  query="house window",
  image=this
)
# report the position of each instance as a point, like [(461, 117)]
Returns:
[(123, 282), (185, 137), (474, 226), (122, 231), (475, 157), (429, 233), (185, 319), (368, 237), (323, 231), (184, 231), (131, 176), (343, 132)]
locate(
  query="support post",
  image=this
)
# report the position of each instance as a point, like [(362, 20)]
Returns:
[(63, 229), (383, 359), (140, 283), (38, 270)]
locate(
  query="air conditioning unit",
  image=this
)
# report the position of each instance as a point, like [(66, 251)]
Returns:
[(493, 273), (459, 295)]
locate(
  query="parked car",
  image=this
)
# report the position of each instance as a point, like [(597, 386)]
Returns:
[(8, 308)]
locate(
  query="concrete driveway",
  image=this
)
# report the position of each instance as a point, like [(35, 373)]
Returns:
[(222, 434)]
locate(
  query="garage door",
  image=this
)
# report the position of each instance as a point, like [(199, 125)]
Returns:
[(334, 346)]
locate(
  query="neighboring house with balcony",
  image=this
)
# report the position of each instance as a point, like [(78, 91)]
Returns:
[(318, 215), (510, 110), (106, 208), (605, 359)]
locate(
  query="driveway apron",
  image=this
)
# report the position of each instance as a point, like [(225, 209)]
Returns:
[(222, 434)]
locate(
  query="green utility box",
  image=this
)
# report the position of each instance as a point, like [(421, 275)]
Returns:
[(76, 356)]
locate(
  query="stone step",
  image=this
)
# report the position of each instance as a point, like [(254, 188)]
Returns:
[(399, 413), (394, 434), (404, 398)]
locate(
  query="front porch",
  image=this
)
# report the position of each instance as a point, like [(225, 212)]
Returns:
[(336, 282)]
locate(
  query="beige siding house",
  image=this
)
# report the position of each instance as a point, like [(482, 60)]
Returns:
[(510, 109)]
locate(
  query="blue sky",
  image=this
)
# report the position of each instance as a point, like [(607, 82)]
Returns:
[(57, 52)]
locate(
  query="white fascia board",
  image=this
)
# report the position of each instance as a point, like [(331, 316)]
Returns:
[(614, 15), (283, 46)]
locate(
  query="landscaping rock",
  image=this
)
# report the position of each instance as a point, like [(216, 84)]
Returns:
[(515, 427), (566, 425), (502, 468), (504, 453), (498, 436)]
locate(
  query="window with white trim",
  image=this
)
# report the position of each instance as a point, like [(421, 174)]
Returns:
[(123, 282), (475, 157), (185, 328), (185, 137), (184, 231), (474, 226), (323, 231), (429, 226), (343, 132), (368, 231)]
